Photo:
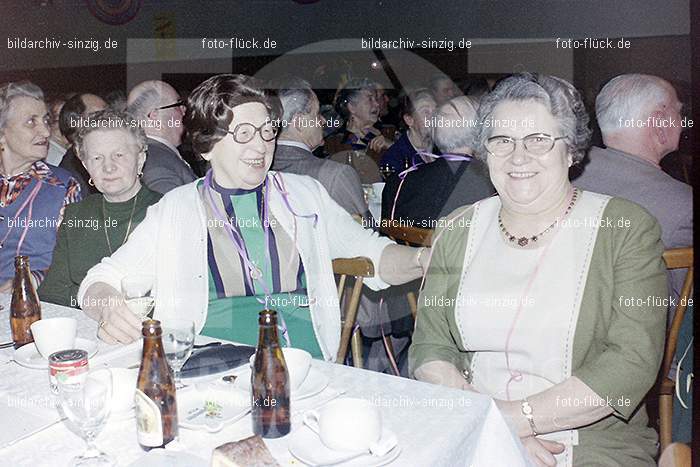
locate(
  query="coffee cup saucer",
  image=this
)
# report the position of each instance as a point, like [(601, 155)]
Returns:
[(28, 355), (306, 446)]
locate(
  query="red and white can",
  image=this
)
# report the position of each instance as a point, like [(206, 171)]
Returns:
[(68, 366)]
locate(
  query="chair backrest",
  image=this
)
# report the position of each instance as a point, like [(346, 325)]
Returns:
[(414, 236), (678, 258), (359, 268)]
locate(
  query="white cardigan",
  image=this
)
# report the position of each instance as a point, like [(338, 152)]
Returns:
[(171, 243)]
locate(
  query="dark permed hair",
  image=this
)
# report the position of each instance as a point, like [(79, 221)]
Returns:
[(210, 107)]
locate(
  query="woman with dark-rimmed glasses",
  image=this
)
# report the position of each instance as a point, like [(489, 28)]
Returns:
[(243, 238)]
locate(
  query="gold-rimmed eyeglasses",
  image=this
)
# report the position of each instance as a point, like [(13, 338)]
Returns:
[(537, 144)]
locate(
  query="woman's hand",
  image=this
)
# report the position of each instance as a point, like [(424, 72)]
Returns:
[(118, 324), (105, 304), (542, 451), (379, 143)]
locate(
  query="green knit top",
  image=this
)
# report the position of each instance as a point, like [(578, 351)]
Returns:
[(82, 241)]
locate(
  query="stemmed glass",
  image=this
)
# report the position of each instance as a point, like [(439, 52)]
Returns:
[(178, 339), (136, 289), (85, 400)]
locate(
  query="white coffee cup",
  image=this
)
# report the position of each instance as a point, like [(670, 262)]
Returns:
[(346, 424), (54, 334), (123, 388), (298, 365)]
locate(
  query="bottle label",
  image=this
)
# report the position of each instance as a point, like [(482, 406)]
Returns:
[(149, 426)]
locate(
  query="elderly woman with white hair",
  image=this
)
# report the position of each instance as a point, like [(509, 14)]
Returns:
[(112, 147), (538, 296), (33, 194)]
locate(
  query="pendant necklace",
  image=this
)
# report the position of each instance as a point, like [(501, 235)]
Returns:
[(524, 241), (128, 227)]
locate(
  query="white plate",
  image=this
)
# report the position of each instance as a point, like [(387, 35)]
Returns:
[(28, 356), (234, 405), (306, 446), (163, 458), (314, 383)]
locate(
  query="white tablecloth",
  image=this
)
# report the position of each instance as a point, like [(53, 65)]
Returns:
[(436, 426)]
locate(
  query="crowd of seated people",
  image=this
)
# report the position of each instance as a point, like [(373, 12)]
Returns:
[(531, 281)]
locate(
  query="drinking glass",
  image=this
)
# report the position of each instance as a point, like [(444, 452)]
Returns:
[(178, 339), (86, 402), (137, 289)]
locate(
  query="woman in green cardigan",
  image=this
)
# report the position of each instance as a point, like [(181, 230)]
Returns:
[(547, 298), (112, 147)]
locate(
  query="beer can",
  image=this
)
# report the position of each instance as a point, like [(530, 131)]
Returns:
[(67, 365)]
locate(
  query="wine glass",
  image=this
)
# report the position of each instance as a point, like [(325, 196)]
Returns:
[(178, 339), (86, 400), (136, 289)]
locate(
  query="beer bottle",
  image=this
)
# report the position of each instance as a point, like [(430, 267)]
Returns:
[(24, 307), (270, 382), (156, 408)]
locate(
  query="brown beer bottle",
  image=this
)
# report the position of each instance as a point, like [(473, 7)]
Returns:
[(156, 408), (270, 382), (24, 307)]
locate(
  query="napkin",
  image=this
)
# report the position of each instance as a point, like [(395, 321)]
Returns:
[(213, 360)]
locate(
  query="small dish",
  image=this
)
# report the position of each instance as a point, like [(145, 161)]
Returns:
[(306, 446), (28, 355), (314, 383), (212, 408)]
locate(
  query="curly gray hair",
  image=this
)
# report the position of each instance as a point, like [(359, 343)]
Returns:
[(559, 96), (10, 91), (110, 119)]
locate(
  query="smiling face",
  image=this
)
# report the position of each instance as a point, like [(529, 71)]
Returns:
[(25, 138), (525, 183), (113, 159), (364, 107), (237, 165)]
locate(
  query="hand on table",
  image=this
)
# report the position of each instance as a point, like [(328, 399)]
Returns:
[(119, 325), (542, 451)]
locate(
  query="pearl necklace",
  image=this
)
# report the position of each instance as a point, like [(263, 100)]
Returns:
[(524, 241)]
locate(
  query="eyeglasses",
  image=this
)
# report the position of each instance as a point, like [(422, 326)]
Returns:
[(537, 144), (170, 106), (245, 132)]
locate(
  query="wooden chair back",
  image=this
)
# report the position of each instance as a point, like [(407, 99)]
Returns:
[(414, 236), (359, 268), (677, 258)]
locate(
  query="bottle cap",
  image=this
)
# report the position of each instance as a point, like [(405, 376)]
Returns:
[(21, 261), (151, 328), (268, 317)]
